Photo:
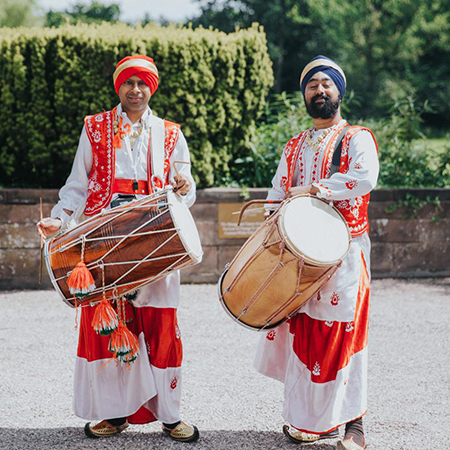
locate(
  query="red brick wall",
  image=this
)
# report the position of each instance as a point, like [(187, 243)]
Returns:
[(401, 247)]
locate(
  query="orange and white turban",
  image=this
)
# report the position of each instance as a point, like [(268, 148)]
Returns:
[(139, 65)]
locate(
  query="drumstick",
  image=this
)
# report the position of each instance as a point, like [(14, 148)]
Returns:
[(42, 244), (176, 170), (179, 162), (251, 202), (253, 209)]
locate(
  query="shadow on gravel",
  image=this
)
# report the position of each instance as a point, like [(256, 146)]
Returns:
[(73, 438)]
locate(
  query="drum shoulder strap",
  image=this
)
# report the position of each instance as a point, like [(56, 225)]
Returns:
[(157, 130), (336, 161)]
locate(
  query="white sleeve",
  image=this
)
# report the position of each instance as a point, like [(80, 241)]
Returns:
[(74, 192), (362, 174), (181, 153), (279, 180)]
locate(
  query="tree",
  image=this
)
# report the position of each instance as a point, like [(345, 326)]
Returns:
[(94, 13), (18, 13), (390, 49), (286, 23), (430, 74), (374, 41)]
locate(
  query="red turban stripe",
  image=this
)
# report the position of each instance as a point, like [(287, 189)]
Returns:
[(139, 65)]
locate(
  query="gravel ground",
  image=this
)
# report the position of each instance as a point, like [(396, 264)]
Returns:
[(233, 406)]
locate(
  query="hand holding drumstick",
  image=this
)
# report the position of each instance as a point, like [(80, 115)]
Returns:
[(181, 184), (301, 190)]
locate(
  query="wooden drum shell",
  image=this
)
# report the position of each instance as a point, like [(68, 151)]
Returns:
[(152, 231), (266, 255)]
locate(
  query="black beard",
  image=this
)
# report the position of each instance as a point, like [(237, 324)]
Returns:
[(326, 110)]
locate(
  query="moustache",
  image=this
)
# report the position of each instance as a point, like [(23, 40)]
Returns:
[(320, 96)]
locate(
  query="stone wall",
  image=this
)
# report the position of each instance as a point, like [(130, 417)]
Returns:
[(418, 246)]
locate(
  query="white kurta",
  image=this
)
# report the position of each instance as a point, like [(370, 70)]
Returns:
[(110, 391), (311, 405)]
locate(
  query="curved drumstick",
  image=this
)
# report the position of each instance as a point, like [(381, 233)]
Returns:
[(179, 162), (176, 170), (251, 202)]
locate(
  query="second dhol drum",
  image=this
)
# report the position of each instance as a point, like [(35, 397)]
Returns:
[(284, 263)]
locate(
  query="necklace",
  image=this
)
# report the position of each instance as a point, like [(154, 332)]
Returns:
[(316, 145), (135, 134), (123, 131)]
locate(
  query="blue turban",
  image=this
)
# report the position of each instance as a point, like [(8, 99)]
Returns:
[(328, 66)]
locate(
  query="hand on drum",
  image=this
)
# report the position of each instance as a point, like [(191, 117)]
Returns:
[(301, 190), (48, 226), (181, 185)]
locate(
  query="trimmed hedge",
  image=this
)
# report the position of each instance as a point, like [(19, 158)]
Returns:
[(213, 84)]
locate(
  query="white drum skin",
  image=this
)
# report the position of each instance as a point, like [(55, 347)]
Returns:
[(314, 230)]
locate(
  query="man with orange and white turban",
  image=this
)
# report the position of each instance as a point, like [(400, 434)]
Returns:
[(320, 354), (124, 154)]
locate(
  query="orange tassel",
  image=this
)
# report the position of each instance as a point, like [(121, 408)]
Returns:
[(124, 344), (80, 281), (105, 319), (117, 141)]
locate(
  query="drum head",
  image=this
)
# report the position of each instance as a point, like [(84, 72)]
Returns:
[(314, 230), (184, 221)]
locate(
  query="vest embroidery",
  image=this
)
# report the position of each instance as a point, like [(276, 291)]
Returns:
[(100, 132), (354, 210)]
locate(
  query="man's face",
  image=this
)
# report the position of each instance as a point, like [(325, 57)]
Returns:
[(322, 97), (134, 95)]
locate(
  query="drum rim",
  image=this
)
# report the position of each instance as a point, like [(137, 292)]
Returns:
[(298, 253), (52, 275), (196, 259)]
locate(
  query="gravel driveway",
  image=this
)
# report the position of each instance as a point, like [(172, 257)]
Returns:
[(233, 406)]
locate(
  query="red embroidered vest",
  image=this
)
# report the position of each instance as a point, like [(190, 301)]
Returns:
[(100, 131), (353, 210)]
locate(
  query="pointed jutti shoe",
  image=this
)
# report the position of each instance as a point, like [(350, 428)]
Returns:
[(103, 429), (183, 432), (299, 437)]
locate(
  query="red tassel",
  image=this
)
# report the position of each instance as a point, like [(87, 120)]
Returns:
[(124, 344), (105, 319), (80, 281)]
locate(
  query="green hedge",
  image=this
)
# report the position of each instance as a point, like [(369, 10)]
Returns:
[(213, 84)]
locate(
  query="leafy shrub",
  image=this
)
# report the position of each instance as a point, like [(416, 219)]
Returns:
[(285, 116), (213, 84), (406, 159)]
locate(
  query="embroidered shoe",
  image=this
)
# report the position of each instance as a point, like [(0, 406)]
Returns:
[(349, 444), (298, 436), (103, 429), (182, 432)]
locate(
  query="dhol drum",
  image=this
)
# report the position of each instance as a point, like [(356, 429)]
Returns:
[(287, 260), (126, 247)]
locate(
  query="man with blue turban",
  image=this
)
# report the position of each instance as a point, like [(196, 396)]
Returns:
[(320, 354)]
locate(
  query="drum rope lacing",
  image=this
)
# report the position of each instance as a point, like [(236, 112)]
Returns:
[(270, 277), (146, 259), (113, 217), (274, 272), (100, 263), (297, 292), (122, 237), (255, 255)]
